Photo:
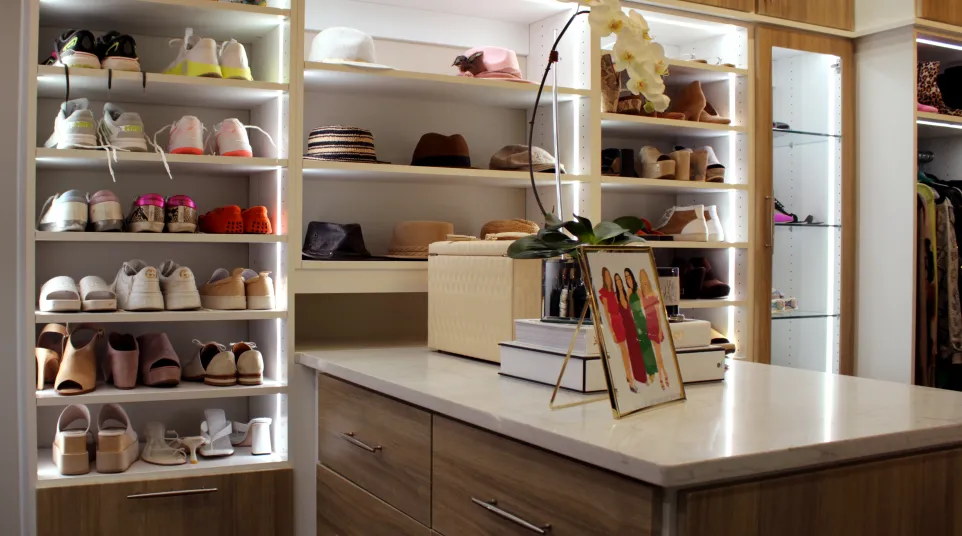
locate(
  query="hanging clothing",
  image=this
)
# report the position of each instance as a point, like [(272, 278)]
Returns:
[(947, 275), (927, 289)]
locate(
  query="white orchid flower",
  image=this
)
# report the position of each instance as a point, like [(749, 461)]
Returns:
[(657, 53), (638, 25), (586, 3), (606, 20), (630, 51), (645, 82), (657, 103)]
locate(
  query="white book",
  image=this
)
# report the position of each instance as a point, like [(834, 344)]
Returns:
[(556, 337), (583, 374)]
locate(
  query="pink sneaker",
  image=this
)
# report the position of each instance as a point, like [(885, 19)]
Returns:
[(186, 136), (230, 139), (181, 215), (105, 212), (146, 214)]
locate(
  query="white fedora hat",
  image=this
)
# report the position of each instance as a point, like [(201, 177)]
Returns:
[(345, 46)]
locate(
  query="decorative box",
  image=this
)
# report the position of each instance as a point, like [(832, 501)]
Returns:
[(703, 364), (475, 293), (691, 333)]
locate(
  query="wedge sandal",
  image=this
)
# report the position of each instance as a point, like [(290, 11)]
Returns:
[(49, 352), (117, 446), (78, 370), (70, 451)]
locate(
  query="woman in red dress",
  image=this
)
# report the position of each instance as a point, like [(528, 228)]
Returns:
[(652, 303), (609, 301), (631, 333)]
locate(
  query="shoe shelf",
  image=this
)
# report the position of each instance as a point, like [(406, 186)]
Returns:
[(932, 125), (96, 160), (711, 304), (684, 72), (106, 394), (659, 186), (241, 461), (361, 277), (315, 169), (219, 20), (331, 78), (177, 238), (204, 315), (120, 86), (679, 244), (623, 125)]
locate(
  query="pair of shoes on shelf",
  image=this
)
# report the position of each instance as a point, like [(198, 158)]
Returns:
[(241, 288), (115, 449), (199, 56), (153, 213), (140, 287), (228, 138), (698, 280), (76, 128), (80, 49), (682, 164), (692, 105), (62, 294), (222, 435), (215, 364), (232, 220), (73, 211), (696, 223)]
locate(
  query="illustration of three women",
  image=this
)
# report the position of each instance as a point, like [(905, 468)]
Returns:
[(632, 312)]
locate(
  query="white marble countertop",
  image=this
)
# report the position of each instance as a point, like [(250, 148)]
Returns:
[(762, 419)]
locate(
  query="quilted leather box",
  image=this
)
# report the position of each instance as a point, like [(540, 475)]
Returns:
[(475, 292)]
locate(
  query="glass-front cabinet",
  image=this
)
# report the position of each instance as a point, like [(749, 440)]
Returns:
[(804, 202)]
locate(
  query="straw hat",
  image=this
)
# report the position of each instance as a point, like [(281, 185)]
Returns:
[(342, 144), (508, 229), (412, 238)]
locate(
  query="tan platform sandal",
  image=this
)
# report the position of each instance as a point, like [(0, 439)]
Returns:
[(78, 369), (70, 446), (117, 446), (48, 352)]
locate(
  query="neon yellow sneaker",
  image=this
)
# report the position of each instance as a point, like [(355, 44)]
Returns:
[(233, 61), (195, 57)]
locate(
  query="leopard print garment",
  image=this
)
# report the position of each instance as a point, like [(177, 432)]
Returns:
[(928, 90)]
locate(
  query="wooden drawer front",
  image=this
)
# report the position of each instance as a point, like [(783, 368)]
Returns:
[(946, 11), (248, 504), (830, 13), (399, 469), (534, 486), (344, 509)]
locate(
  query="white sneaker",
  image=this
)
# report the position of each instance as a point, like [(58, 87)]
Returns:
[(715, 231), (74, 128), (64, 212), (186, 136), (137, 287), (685, 223), (179, 288), (196, 56), (233, 61), (230, 139), (122, 130)]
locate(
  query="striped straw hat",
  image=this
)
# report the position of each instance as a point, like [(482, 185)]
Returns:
[(342, 144)]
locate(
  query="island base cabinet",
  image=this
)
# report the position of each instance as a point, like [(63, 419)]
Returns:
[(485, 484), (344, 509), (243, 504), (919, 494)]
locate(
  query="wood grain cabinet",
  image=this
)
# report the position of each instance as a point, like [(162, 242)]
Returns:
[(382, 445), (740, 5), (344, 509), (831, 13), (947, 11), (485, 484), (243, 504)]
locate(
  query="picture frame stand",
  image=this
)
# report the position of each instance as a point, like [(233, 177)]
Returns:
[(564, 365)]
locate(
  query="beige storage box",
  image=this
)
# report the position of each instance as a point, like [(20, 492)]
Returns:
[(475, 292)]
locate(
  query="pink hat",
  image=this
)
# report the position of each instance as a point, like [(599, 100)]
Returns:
[(490, 62)]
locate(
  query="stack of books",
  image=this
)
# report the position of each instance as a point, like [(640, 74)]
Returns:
[(539, 349)]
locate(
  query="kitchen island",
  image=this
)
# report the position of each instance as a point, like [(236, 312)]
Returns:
[(769, 451)]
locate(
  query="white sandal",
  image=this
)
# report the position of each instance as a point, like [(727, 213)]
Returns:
[(71, 448), (60, 295), (96, 295), (163, 446), (255, 434), (216, 429)]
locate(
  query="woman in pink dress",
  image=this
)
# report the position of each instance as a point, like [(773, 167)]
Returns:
[(655, 333), (631, 333), (609, 302)]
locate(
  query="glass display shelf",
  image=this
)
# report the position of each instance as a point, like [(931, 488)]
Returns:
[(819, 225), (790, 138), (794, 315)]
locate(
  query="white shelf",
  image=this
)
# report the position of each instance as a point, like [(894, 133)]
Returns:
[(932, 125), (683, 72), (161, 88), (711, 304), (242, 461), (638, 125), (127, 162), (181, 238), (165, 18), (185, 391), (659, 186), (697, 245), (360, 277), (430, 87), (159, 316), (316, 169)]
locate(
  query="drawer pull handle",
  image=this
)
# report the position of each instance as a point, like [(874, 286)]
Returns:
[(492, 506), (349, 437), (176, 493)]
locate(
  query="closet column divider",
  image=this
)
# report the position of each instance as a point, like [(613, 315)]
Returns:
[(594, 128)]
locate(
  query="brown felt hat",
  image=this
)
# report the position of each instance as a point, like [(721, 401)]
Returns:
[(438, 150), (412, 238), (509, 229)]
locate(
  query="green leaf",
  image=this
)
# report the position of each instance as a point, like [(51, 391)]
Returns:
[(626, 239), (582, 233), (555, 237), (531, 247), (607, 230), (552, 222), (631, 223), (584, 221)]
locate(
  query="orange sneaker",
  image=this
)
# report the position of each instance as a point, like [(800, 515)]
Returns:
[(223, 220), (256, 221)]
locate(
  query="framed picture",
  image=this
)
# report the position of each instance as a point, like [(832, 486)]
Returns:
[(632, 327)]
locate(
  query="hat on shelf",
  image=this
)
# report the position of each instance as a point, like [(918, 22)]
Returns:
[(345, 46), (412, 238), (508, 229), (438, 150), (342, 144), (490, 62), (515, 158), (334, 242)]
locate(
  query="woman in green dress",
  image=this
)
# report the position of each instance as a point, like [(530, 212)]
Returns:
[(641, 326)]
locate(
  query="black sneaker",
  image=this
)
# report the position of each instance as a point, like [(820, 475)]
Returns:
[(75, 48), (118, 52)]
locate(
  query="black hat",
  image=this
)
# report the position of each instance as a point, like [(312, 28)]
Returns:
[(334, 242)]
